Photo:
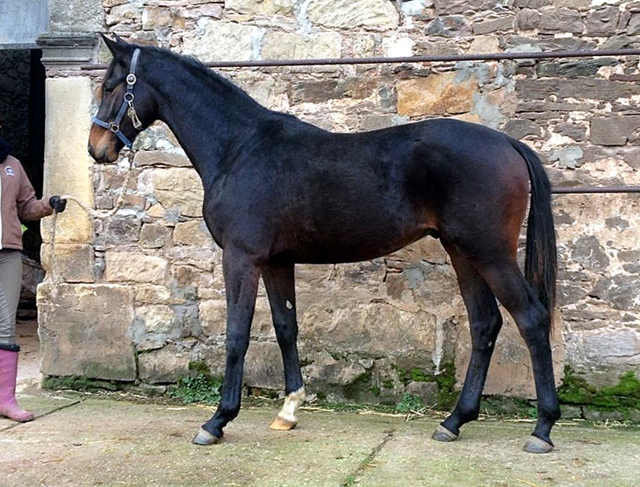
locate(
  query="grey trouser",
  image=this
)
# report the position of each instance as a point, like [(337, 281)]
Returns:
[(10, 284)]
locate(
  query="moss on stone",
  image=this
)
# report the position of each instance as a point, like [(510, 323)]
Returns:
[(623, 396), (358, 386), (78, 383), (445, 380), (199, 367)]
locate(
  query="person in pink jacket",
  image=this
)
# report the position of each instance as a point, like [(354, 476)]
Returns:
[(17, 201)]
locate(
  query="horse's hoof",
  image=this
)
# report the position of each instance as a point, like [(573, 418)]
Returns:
[(536, 445), (443, 434), (205, 438), (281, 424)]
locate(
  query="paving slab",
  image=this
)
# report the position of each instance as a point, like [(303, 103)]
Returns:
[(116, 443), (490, 454), (92, 441)]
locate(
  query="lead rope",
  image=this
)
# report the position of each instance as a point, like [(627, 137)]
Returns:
[(91, 212)]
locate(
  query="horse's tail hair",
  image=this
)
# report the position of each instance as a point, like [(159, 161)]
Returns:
[(541, 262)]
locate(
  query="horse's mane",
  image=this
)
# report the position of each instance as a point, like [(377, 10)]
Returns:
[(197, 69)]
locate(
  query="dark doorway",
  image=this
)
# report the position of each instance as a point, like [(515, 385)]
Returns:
[(22, 107), (22, 103)]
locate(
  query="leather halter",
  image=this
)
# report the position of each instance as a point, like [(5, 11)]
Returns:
[(126, 107)]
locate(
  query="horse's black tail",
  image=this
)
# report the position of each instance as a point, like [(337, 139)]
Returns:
[(541, 262)]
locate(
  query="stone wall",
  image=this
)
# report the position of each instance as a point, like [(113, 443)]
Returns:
[(155, 274)]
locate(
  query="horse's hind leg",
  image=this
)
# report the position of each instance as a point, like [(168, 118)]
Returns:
[(280, 284), (485, 322), (241, 284), (533, 321)]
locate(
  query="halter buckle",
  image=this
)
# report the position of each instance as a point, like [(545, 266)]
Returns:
[(137, 124), (114, 127), (131, 79)]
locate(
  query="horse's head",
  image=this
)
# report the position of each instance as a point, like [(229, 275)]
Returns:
[(127, 104)]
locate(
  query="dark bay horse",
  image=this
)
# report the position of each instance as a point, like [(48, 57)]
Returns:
[(279, 191)]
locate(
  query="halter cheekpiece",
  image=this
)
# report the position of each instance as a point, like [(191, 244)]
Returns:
[(126, 107)]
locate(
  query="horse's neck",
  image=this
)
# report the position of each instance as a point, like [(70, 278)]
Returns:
[(208, 123)]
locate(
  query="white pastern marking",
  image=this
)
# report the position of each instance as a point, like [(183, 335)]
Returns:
[(291, 404)]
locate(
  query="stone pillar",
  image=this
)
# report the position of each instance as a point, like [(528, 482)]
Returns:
[(67, 169), (74, 309)]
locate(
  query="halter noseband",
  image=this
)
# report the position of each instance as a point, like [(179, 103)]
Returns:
[(126, 107)]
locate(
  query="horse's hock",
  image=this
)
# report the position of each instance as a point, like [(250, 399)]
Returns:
[(142, 295)]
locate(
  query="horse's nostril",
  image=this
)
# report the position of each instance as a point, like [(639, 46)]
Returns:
[(90, 149)]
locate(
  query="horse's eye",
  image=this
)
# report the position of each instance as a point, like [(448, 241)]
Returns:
[(108, 89)]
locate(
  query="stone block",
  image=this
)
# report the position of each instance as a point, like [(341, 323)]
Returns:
[(67, 168), (579, 4), (150, 294), (494, 25), (179, 188), (156, 319), (85, 331), (576, 132), (451, 26), (135, 267), (573, 69), (445, 7), (314, 91), (528, 19), (324, 372), (263, 366), (376, 122), (120, 230), (220, 41), (620, 292), (71, 263), (287, 45), (341, 324), (76, 15), (163, 366), (157, 17), (562, 20), (161, 158), (581, 89), (522, 128), (154, 236), (484, 45), (437, 94), (193, 232), (126, 13), (633, 27), (262, 8), (354, 13), (535, 4), (603, 22), (589, 253), (614, 130), (213, 316)]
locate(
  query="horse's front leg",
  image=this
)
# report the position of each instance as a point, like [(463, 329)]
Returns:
[(241, 283), (279, 281)]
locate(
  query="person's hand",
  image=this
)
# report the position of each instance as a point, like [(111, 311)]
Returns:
[(58, 204)]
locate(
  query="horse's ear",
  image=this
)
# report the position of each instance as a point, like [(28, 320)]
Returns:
[(120, 49)]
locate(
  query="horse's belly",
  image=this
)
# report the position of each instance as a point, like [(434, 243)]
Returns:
[(351, 247)]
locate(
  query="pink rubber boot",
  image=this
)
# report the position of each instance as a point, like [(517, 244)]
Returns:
[(8, 372)]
